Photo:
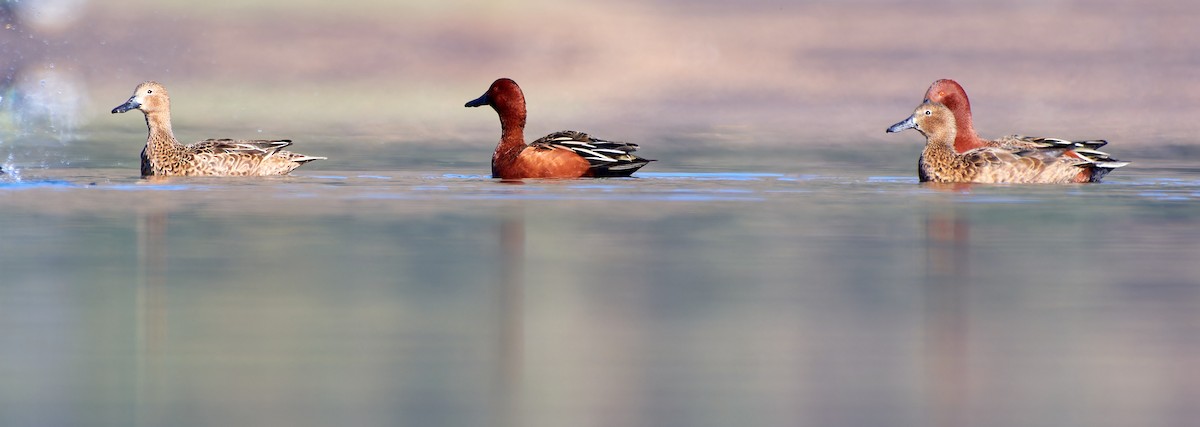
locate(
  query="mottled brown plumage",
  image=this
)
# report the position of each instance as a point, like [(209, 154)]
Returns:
[(164, 155), (1021, 160), (951, 94)]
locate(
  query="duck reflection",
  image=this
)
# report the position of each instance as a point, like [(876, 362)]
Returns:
[(152, 278), (151, 314), (509, 386), (947, 272)]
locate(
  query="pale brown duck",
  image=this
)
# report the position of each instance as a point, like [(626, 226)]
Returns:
[(164, 155), (951, 94), (1033, 160)]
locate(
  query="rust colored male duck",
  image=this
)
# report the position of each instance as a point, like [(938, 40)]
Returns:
[(164, 155), (1035, 160), (564, 154)]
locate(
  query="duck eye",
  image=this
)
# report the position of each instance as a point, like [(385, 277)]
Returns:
[(928, 112)]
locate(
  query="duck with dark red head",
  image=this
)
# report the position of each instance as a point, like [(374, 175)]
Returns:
[(563, 154), (1047, 163), (953, 97)]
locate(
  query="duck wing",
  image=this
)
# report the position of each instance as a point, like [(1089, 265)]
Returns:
[(1086, 149), (258, 147), (1045, 142), (607, 158), (1054, 162)]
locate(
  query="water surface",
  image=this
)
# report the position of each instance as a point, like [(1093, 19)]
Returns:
[(754, 276), (796, 294)]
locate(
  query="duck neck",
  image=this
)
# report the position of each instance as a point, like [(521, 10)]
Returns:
[(940, 148), (965, 138), (160, 137), (512, 137)]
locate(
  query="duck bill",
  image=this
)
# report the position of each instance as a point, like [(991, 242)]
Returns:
[(480, 101), (909, 123), (128, 105)]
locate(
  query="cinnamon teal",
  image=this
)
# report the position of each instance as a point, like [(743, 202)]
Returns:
[(1015, 160), (164, 155), (564, 154)]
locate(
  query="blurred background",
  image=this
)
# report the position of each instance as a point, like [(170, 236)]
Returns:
[(361, 81), (778, 266)]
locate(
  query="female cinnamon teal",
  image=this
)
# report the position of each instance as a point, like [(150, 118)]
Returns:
[(951, 94), (564, 154), (164, 155), (1033, 160)]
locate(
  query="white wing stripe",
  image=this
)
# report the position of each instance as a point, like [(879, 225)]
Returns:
[(597, 156)]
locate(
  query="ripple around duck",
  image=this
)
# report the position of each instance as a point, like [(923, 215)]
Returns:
[(1164, 196), (711, 176), (1158, 182), (158, 187), (466, 176), (800, 178), (33, 185), (649, 186), (893, 180), (998, 200)]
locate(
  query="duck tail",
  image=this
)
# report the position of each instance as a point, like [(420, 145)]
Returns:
[(1099, 163), (621, 168), (295, 157), (302, 158)]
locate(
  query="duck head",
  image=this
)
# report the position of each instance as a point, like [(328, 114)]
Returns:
[(949, 93), (149, 97), (931, 119), (504, 96)]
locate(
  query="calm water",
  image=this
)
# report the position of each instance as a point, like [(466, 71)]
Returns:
[(443, 298), (392, 285)]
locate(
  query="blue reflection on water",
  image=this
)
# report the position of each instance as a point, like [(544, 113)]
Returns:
[(158, 187), (709, 176), (893, 179), (1164, 196), (31, 185)]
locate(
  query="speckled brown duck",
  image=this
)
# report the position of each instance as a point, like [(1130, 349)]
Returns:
[(951, 94), (1026, 160), (564, 154), (164, 155)]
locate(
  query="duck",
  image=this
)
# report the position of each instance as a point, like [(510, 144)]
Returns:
[(1034, 160), (951, 94), (165, 156), (564, 154)]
